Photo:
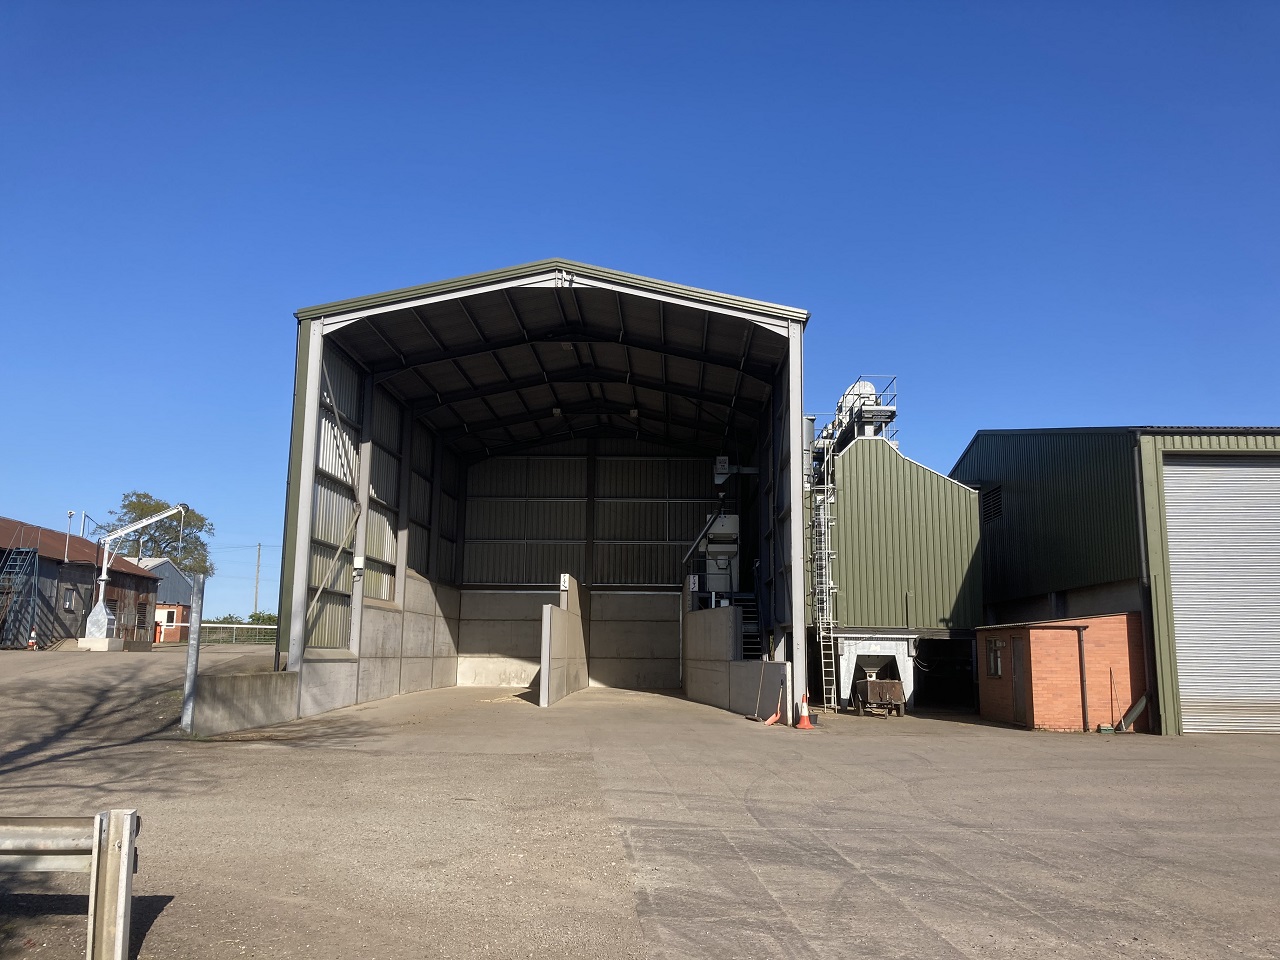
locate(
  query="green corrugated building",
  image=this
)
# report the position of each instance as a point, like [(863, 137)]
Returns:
[(1181, 524), (904, 571), (906, 544)]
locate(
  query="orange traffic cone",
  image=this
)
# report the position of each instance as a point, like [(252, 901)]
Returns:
[(804, 723), (31, 641), (777, 714)]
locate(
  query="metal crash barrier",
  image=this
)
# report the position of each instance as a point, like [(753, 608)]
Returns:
[(101, 846)]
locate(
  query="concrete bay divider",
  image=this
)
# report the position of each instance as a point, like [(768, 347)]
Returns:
[(225, 703), (405, 647), (710, 641), (758, 680), (564, 643), (713, 676)]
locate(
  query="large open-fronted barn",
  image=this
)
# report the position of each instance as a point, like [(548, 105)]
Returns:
[(459, 447)]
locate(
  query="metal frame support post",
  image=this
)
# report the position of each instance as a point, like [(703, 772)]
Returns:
[(193, 655), (795, 522), (111, 872), (1084, 683), (297, 569), (437, 491), (402, 511), (364, 473)]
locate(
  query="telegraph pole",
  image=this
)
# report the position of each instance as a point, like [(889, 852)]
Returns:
[(257, 573)]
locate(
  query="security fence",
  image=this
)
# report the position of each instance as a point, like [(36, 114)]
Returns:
[(237, 633)]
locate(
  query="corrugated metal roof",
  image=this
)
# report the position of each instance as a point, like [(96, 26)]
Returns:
[(508, 274), (51, 543), (175, 586), (1039, 431), (502, 360)]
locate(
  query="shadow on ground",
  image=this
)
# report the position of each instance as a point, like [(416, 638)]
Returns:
[(35, 911), (106, 735)]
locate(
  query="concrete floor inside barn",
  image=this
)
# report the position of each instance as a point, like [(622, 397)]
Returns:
[(467, 822)]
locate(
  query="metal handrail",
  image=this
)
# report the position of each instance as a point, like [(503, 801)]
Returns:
[(101, 846)]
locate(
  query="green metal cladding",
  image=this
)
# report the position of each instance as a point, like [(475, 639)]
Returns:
[(1070, 515), (1068, 504), (906, 543), (1153, 447)]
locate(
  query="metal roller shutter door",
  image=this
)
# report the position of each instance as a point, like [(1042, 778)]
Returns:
[(1223, 518)]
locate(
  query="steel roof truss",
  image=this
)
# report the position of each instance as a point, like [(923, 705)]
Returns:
[(760, 372), (485, 451), (602, 408), (552, 278), (589, 375)]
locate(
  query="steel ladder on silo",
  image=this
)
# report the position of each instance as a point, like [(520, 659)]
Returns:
[(824, 590)]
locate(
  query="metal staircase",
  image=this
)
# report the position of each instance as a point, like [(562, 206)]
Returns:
[(752, 638), (18, 583)]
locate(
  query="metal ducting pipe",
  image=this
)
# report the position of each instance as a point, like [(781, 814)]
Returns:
[(1084, 684)]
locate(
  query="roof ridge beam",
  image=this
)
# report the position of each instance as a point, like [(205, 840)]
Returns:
[(557, 273)]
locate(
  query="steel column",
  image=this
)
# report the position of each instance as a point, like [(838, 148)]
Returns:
[(296, 572), (795, 526), (364, 468)]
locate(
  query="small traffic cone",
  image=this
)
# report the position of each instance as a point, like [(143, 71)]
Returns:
[(31, 641), (777, 714), (804, 723)]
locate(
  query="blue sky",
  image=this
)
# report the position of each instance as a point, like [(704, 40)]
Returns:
[(1043, 214)]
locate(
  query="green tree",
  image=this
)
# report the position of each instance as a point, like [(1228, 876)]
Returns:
[(264, 619), (183, 539), (227, 618)]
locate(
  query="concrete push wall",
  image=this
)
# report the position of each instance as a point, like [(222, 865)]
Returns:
[(564, 644), (404, 650), (754, 686), (713, 676), (710, 642), (500, 639), (634, 640), (228, 702)]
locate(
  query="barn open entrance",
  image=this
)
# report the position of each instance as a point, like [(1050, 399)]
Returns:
[(473, 440)]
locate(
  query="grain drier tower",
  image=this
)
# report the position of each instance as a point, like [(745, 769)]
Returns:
[(894, 570)]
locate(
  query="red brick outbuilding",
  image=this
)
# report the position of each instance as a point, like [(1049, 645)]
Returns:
[(1062, 674)]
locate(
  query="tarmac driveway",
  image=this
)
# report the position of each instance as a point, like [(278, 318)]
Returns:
[(468, 823)]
